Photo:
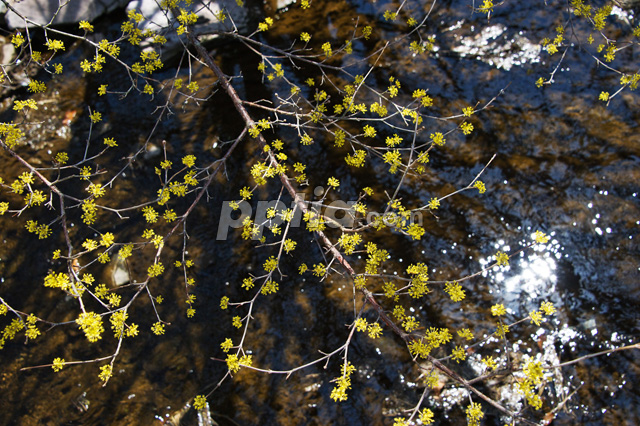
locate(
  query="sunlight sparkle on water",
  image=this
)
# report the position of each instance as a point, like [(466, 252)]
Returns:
[(531, 276)]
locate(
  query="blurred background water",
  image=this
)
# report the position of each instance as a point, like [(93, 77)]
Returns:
[(565, 163)]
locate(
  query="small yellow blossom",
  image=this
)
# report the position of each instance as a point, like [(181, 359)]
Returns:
[(374, 330), (361, 324), (226, 345), (326, 48), (107, 239), (547, 308), (158, 328), (369, 131), (193, 86), (95, 117), (17, 40), (84, 25), (199, 402), (465, 333), (426, 416), (540, 237), (55, 45), (20, 105), (58, 363), (536, 317), (474, 414), (437, 138), (502, 259), (458, 354), (498, 310), (105, 372), (155, 269), (237, 322), (466, 128), (91, 324)]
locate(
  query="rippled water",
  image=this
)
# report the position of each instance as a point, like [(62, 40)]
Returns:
[(564, 163)]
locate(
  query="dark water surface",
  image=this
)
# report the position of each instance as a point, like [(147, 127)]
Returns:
[(565, 163)]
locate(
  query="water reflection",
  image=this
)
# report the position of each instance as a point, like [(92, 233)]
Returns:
[(530, 277), (494, 46), (552, 147)]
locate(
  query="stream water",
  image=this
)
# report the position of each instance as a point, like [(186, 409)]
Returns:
[(565, 163)]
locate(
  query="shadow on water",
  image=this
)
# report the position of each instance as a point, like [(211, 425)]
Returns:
[(564, 164)]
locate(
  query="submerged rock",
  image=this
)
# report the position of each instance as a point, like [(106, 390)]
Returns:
[(234, 18), (42, 12), (72, 11)]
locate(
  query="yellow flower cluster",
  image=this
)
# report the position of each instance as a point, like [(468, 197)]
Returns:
[(419, 281), (375, 257), (534, 375), (150, 214), (410, 324), (42, 230), (394, 159), (11, 134), (155, 269), (357, 158), (433, 338), (540, 237), (55, 45), (269, 287), (289, 245), (32, 331), (157, 328), (106, 371), (339, 392), (455, 291), (10, 331), (57, 280), (224, 302), (437, 138), (36, 86), (91, 324), (374, 330), (502, 259), (264, 26), (415, 231), (20, 105), (226, 345), (552, 46), (17, 40), (86, 26), (349, 242), (326, 48), (474, 414), (118, 325), (58, 363), (458, 354), (199, 402), (36, 198), (270, 264), (96, 190), (89, 212)]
